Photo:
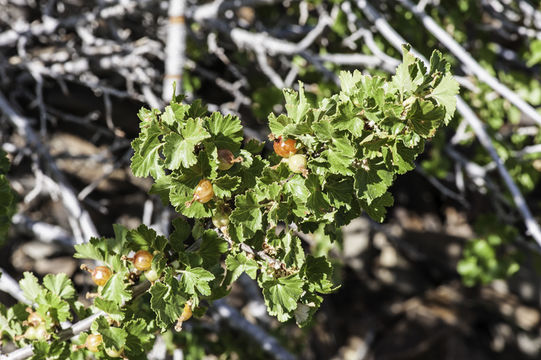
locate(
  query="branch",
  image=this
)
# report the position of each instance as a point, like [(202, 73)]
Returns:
[(246, 39), (484, 139), (11, 286), (470, 62), (236, 321), (175, 50), (42, 231), (217, 7)]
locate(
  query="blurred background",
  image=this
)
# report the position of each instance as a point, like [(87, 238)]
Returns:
[(453, 272)]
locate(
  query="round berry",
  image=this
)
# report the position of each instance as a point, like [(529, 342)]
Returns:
[(220, 218), (284, 148), (114, 353), (142, 260), (30, 333), (297, 164), (41, 333), (226, 159), (93, 341), (151, 275), (101, 275), (203, 192), (186, 313)]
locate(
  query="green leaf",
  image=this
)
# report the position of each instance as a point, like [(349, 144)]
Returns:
[(50, 351), (293, 251), (139, 340), (340, 190), (112, 336), (254, 146), (30, 286), (166, 301), (318, 272), (179, 149), (146, 238), (340, 155), (318, 201), (349, 81), (180, 194), (196, 278), (116, 289), (297, 105), (247, 213), (404, 157), (346, 118), (60, 285), (94, 249), (297, 188), (211, 248), (425, 117), (225, 185), (146, 159), (118, 244), (281, 295), (51, 305), (278, 124), (377, 207), (373, 182), (324, 130), (239, 263), (180, 234), (174, 114), (403, 80), (113, 310), (226, 131), (445, 94)]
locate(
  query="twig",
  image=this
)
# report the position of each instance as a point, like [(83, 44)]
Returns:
[(10, 286), (42, 231), (369, 61), (442, 188), (246, 39), (236, 321), (528, 150)]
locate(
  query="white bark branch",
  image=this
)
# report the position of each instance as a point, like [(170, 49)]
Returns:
[(68, 197), (175, 51), (236, 321), (217, 7), (10, 286)]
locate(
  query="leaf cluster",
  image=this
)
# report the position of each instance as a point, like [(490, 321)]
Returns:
[(355, 143)]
